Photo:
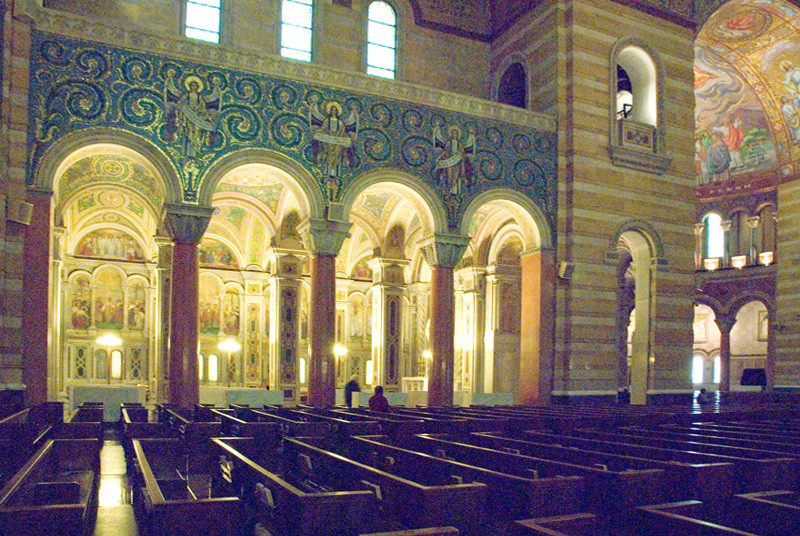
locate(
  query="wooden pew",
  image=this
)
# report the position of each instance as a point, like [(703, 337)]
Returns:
[(135, 425), (19, 440), (265, 432), (759, 469), (413, 501), (291, 504), (433, 531), (187, 429), (86, 422), (610, 488), (342, 424), (514, 493), (688, 476), (580, 524), (693, 518), (178, 491), (294, 425), (56, 489), (393, 424)]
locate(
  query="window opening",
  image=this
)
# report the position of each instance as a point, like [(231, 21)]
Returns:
[(296, 29), (715, 236), (381, 40), (202, 20)]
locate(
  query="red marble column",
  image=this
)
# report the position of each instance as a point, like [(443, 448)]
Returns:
[(323, 239), (186, 224), (36, 290), (184, 384), (322, 331), (440, 379), (725, 325), (537, 329), (442, 253)]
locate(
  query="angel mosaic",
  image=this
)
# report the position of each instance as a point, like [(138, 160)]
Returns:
[(454, 153), (192, 116), (333, 141)]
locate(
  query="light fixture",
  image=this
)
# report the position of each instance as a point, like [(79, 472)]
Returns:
[(108, 341), (339, 351), (230, 346)]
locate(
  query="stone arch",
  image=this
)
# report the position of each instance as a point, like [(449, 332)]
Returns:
[(534, 225), (431, 205), (76, 144), (508, 61), (305, 188), (655, 245)]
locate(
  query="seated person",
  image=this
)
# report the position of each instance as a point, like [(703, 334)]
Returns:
[(704, 397), (378, 402)]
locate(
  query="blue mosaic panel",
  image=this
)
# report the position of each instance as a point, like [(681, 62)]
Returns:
[(197, 113)]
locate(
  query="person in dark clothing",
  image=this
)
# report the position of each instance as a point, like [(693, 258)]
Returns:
[(350, 388), (378, 402)]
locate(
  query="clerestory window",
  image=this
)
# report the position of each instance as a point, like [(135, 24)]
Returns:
[(203, 20), (381, 40), (297, 29)]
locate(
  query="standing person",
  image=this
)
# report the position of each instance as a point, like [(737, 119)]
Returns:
[(378, 402), (350, 388)]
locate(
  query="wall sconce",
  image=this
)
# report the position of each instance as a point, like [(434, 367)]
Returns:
[(711, 264), (766, 258), (739, 261)]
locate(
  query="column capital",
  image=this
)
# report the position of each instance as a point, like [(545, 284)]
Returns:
[(699, 228), (286, 263), (186, 224), (388, 271), (444, 249), (725, 225), (324, 237), (753, 221), (725, 322)]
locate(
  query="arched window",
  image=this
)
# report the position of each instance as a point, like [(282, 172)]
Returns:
[(116, 365), (381, 40), (715, 236), (698, 367), (303, 365), (512, 89), (296, 29), (636, 82), (203, 20), (717, 368), (213, 368)]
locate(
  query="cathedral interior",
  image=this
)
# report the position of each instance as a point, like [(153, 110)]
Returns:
[(587, 207)]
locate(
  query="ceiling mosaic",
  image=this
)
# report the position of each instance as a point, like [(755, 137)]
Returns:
[(109, 169), (747, 89)]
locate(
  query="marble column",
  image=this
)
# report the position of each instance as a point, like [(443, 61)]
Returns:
[(753, 223), (699, 229), (725, 324), (442, 253), (726, 248), (387, 320), (284, 319), (537, 327), (769, 367), (36, 294), (186, 225), (473, 289), (323, 239)]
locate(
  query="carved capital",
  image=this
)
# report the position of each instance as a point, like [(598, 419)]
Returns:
[(699, 228), (725, 225), (285, 263), (444, 249), (388, 272), (753, 221), (725, 323), (186, 224), (324, 237)]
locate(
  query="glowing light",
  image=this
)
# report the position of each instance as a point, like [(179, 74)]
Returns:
[(109, 339)]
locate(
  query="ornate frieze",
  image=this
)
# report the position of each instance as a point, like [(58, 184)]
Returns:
[(444, 250), (337, 127)]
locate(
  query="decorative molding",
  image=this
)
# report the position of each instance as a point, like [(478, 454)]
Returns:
[(443, 249), (187, 223), (324, 237)]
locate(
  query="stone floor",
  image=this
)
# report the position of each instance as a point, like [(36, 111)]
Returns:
[(114, 513)]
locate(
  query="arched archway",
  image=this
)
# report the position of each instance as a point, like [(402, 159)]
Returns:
[(510, 251)]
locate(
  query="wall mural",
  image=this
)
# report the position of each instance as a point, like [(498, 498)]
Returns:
[(215, 254), (109, 313), (195, 113), (747, 90), (110, 244)]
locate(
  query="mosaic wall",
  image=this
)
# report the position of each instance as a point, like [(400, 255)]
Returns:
[(196, 113)]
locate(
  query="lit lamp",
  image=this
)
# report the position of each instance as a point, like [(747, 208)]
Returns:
[(339, 353), (426, 355), (109, 341), (230, 346)]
